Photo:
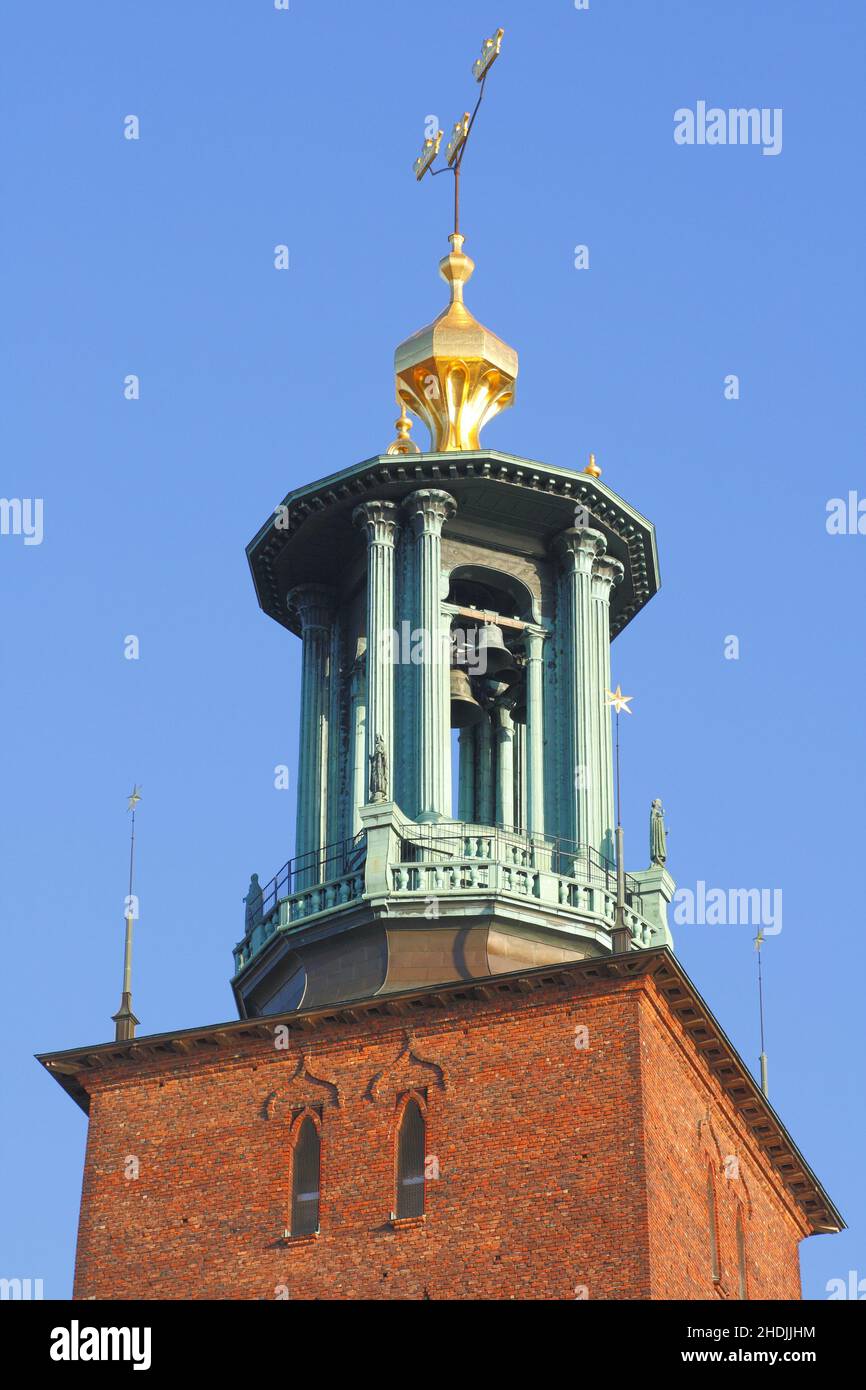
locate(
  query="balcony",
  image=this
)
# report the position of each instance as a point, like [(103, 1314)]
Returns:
[(403, 863)]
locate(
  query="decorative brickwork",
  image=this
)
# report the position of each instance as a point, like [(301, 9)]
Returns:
[(571, 1121)]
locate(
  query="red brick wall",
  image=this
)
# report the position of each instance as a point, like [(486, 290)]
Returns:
[(691, 1129), (555, 1163)]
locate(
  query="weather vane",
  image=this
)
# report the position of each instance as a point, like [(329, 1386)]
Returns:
[(456, 146)]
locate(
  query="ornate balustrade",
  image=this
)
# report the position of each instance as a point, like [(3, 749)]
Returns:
[(395, 858)]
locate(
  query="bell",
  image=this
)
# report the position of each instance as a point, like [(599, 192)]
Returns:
[(511, 675), (492, 656), (465, 709), (489, 691)]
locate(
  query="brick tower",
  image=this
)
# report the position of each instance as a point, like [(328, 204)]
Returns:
[(468, 1063)]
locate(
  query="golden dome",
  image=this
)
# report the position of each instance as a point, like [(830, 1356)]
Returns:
[(455, 374)]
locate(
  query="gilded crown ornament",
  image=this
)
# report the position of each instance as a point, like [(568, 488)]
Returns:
[(455, 374)]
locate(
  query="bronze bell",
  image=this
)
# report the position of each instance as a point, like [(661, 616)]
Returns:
[(492, 654), (465, 709)]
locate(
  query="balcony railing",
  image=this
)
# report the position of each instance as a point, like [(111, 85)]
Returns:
[(323, 865), (451, 858), (430, 843)]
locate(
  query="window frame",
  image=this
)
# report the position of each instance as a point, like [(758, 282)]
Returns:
[(418, 1098), (299, 1123)]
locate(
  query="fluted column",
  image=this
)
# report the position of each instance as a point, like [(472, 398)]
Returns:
[(535, 732), (358, 777), (578, 549), (504, 734), (520, 812), (466, 784), (314, 606), (606, 572), (428, 510), (485, 772), (378, 520), (338, 816)]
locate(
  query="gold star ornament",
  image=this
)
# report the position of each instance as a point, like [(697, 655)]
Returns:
[(618, 701), (134, 798)]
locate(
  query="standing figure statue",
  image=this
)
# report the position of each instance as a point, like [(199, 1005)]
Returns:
[(658, 837), (253, 901), (379, 771)]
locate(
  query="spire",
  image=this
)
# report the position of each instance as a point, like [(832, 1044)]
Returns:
[(125, 1020), (621, 934), (455, 374)]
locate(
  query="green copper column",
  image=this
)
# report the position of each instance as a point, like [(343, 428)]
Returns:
[(466, 784), (606, 572), (485, 772), (428, 510), (338, 812), (535, 731), (379, 522), (520, 812), (314, 606), (358, 719), (578, 549), (504, 735)]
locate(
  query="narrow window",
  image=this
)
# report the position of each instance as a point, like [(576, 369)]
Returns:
[(305, 1180), (714, 1232), (742, 1286), (410, 1161)]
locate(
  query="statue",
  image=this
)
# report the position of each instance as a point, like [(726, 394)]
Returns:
[(253, 900), (379, 771), (658, 838)]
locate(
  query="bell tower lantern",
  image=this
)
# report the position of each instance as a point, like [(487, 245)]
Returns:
[(456, 608)]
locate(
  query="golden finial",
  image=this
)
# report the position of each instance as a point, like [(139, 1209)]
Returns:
[(592, 467), (403, 444), (454, 373)]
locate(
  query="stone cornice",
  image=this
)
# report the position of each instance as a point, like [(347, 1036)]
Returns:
[(73, 1069), (290, 548)]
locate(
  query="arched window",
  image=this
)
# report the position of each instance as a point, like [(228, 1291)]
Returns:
[(742, 1283), (410, 1161), (305, 1179), (714, 1228)]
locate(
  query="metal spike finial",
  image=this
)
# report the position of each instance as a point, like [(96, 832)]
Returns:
[(762, 1060), (621, 935), (124, 1020)]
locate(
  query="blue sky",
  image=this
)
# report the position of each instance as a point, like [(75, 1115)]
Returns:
[(155, 257)]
